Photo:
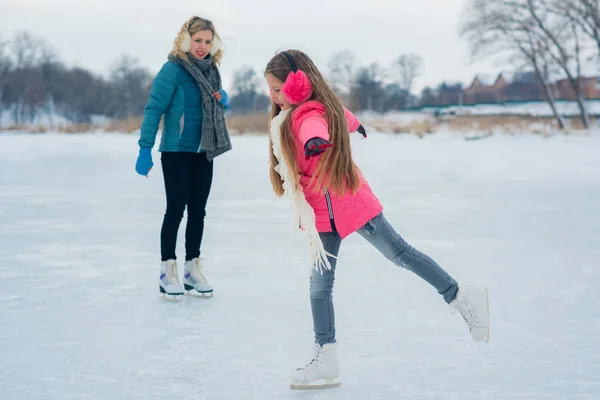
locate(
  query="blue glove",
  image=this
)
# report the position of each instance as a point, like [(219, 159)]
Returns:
[(144, 162), (224, 99)]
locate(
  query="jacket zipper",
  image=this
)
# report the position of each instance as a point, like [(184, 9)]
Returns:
[(181, 124), (330, 209)]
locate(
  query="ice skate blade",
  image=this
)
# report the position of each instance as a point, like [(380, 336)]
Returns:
[(169, 296), (191, 291), (202, 295), (482, 334), (195, 293), (330, 383)]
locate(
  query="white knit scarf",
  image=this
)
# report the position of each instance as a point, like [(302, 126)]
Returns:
[(303, 215)]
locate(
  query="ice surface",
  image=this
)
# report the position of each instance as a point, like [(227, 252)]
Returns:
[(81, 316)]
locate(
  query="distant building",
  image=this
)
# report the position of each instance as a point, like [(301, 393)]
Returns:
[(523, 86), (485, 89), (564, 91)]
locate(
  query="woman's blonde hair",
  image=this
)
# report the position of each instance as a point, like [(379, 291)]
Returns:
[(192, 26), (336, 170)]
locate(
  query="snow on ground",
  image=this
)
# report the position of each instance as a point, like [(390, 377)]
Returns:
[(395, 117), (46, 119), (81, 316), (535, 109), (42, 118)]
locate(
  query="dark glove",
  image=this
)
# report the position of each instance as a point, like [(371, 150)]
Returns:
[(316, 146), (361, 130)]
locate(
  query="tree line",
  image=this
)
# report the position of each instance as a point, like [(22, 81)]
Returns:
[(35, 82), (546, 40)]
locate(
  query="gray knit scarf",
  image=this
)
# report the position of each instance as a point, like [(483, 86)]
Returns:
[(215, 136)]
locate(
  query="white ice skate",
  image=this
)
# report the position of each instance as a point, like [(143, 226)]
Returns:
[(169, 279), (193, 278), (472, 303), (321, 372)]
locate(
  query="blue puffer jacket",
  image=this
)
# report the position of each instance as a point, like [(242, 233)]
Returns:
[(175, 94)]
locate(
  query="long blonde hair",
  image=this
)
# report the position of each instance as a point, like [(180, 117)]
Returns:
[(191, 26), (336, 170)]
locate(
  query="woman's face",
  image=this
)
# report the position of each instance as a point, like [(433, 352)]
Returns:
[(202, 42)]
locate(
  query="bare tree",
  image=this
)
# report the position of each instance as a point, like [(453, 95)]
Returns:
[(246, 96), (428, 97), (245, 80), (5, 65), (26, 50), (342, 72), (563, 45), (584, 13), (32, 57), (533, 51), (33, 80), (500, 27), (80, 94), (368, 88), (131, 83), (408, 67), (5, 62)]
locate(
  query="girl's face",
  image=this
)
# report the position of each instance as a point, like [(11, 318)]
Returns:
[(275, 89), (202, 42)]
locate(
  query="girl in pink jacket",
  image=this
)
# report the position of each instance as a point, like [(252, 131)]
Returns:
[(311, 164)]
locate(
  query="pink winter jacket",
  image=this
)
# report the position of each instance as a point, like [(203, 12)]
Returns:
[(350, 212)]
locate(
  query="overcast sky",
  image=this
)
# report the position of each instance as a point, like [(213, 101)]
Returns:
[(93, 33)]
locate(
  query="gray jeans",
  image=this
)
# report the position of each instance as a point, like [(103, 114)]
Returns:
[(382, 235)]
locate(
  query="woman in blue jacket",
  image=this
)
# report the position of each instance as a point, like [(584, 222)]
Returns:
[(188, 92)]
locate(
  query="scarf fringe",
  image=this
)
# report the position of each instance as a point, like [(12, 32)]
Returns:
[(303, 215)]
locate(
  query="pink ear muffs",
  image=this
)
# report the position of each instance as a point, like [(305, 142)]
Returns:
[(296, 88)]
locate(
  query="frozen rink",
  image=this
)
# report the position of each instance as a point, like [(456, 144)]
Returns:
[(81, 316)]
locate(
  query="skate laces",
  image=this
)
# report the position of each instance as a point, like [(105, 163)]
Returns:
[(467, 311), (171, 272), (316, 357), (196, 271)]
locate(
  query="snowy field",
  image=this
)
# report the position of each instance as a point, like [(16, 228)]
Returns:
[(534, 108), (81, 316)]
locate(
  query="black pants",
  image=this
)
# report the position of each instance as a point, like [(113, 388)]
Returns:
[(188, 178)]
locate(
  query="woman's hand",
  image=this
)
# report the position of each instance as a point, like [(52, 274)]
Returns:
[(222, 98)]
